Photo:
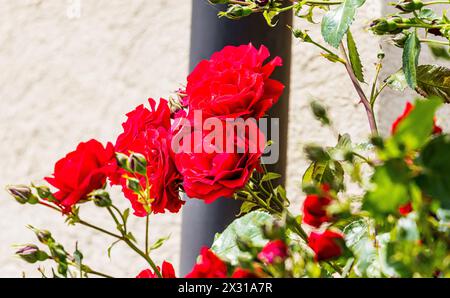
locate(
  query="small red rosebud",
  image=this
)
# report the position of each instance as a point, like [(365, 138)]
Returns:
[(274, 251), (327, 245), (166, 272), (405, 209), (314, 208)]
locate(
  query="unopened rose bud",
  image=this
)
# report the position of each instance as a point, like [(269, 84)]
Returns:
[(122, 160), (316, 153), (43, 236), (384, 26), (101, 198), (43, 192), (410, 5), (31, 254), (22, 194), (137, 163), (238, 11), (133, 184), (320, 112)]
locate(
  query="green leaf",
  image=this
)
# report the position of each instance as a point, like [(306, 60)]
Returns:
[(158, 243), (435, 178), (248, 228), (397, 81), (357, 239), (270, 176), (391, 188), (247, 207), (111, 246), (336, 22), (355, 60), (434, 80), (440, 52), (329, 172), (413, 131), (410, 59)]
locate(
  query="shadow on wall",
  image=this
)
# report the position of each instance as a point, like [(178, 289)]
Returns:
[(391, 103)]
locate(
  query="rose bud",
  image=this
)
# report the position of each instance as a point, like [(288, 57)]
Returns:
[(122, 160), (101, 198), (237, 12), (133, 184), (32, 254), (43, 236), (383, 26), (22, 194), (410, 5), (314, 210), (274, 251), (137, 163), (320, 112), (327, 245)]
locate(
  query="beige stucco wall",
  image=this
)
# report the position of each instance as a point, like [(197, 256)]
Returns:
[(66, 80)]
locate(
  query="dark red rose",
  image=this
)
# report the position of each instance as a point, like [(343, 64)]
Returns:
[(234, 83), (208, 266), (210, 171), (80, 172), (243, 273), (274, 251), (148, 132), (167, 272), (409, 107), (327, 245), (314, 208), (405, 209)]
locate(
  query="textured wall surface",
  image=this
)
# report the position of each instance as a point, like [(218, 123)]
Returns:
[(65, 80)]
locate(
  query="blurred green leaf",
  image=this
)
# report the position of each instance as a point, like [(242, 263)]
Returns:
[(248, 228), (434, 80), (397, 81)]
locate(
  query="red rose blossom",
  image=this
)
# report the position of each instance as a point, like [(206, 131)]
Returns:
[(209, 173), (405, 209), (234, 83), (408, 108), (327, 245), (314, 208), (209, 266), (166, 272), (243, 273), (80, 172), (148, 132), (274, 251)]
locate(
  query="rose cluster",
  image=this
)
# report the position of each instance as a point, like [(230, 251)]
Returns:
[(234, 83)]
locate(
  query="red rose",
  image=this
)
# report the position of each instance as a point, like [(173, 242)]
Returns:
[(80, 172), (209, 266), (167, 272), (234, 83), (314, 208), (274, 251), (243, 273), (405, 209), (209, 172), (326, 245), (148, 132), (409, 107)]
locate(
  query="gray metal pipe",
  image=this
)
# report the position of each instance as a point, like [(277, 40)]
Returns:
[(209, 34)]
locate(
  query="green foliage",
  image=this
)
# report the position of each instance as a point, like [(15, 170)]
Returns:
[(355, 59), (247, 228), (433, 80), (410, 59), (337, 21)]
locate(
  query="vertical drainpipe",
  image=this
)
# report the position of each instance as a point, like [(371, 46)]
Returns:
[(200, 222)]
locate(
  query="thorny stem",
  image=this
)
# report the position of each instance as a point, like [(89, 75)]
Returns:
[(362, 95)]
